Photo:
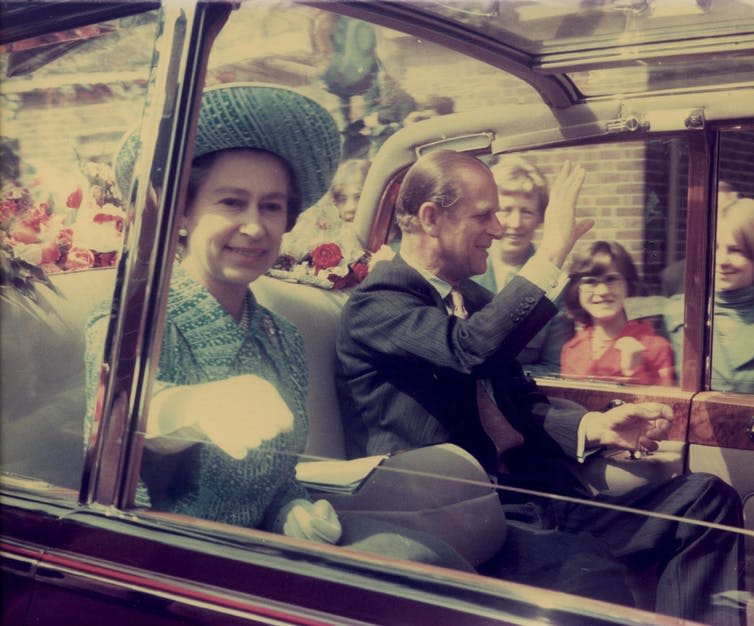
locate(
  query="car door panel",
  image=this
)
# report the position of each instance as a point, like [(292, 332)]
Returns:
[(723, 420), (18, 564)]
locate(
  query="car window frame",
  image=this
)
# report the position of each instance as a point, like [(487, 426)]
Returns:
[(157, 191), (717, 417)]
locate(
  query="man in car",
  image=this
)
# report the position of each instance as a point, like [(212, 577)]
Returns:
[(417, 365)]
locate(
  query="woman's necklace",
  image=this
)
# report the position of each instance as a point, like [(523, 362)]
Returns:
[(245, 321)]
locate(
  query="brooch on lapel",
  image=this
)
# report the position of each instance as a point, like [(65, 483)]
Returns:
[(269, 327)]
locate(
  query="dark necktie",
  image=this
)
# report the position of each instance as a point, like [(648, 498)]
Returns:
[(495, 424)]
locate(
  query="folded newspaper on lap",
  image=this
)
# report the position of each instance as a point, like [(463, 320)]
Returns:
[(337, 476)]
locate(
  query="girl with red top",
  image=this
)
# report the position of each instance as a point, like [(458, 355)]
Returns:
[(607, 346)]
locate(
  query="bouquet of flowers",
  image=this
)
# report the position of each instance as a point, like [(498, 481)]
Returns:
[(45, 236), (325, 266), (87, 231)]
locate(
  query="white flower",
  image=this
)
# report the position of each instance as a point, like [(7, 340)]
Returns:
[(300, 270), (102, 236), (29, 252), (340, 270)]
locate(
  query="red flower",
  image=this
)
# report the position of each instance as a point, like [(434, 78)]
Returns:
[(326, 255), (50, 252), (342, 282), (74, 199), (25, 231), (356, 273), (79, 259), (106, 259), (27, 227), (65, 237), (8, 210), (102, 218), (361, 270)]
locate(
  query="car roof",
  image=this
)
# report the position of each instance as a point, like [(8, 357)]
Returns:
[(576, 50), (506, 128), (597, 65), (569, 50)]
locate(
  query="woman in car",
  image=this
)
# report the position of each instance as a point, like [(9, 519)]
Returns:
[(733, 314), (524, 194), (608, 346), (345, 189), (228, 419), (331, 219)]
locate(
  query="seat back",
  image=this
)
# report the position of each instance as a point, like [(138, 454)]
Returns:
[(316, 313), (43, 391)]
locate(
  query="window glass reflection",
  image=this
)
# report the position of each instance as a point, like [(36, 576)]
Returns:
[(373, 81), (607, 345), (230, 350), (67, 98)]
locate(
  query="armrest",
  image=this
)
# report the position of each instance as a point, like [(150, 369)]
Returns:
[(615, 472), (441, 490), (337, 476)]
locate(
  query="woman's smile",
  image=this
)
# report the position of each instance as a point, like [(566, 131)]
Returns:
[(236, 222), (248, 253)]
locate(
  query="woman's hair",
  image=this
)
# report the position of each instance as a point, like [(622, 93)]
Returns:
[(432, 178), (739, 218), (514, 174), (201, 166), (348, 170), (596, 261)]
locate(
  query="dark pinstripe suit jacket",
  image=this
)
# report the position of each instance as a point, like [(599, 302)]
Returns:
[(407, 371)]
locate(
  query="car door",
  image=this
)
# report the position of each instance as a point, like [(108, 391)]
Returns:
[(44, 192)]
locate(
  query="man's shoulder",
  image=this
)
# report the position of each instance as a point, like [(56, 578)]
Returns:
[(390, 274), (391, 283)]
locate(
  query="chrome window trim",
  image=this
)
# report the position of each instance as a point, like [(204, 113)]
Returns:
[(111, 465)]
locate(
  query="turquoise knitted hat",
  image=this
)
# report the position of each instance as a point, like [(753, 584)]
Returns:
[(266, 117)]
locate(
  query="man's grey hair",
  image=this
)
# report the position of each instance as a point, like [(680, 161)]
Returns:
[(434, 177)]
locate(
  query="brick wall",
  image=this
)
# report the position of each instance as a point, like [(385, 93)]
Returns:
[(59, 134)]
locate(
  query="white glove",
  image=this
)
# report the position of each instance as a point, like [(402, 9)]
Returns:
[(316, 521), (236, 414)]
